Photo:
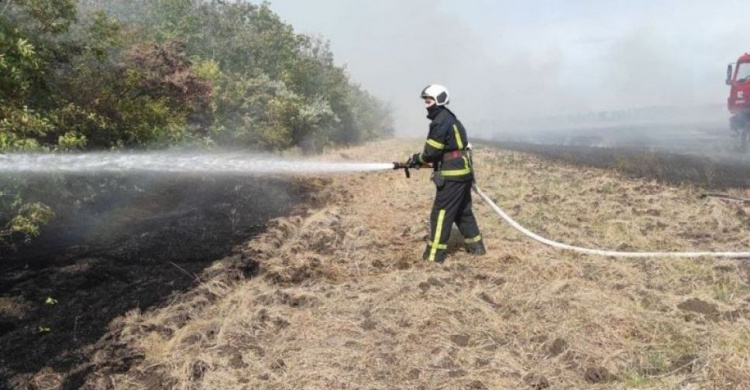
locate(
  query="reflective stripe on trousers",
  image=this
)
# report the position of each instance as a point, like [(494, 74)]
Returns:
[(438, 233)]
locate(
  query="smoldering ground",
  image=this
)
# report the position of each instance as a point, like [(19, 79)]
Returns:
[(117, 243)]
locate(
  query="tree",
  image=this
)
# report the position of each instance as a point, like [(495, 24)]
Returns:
[(160, 73)]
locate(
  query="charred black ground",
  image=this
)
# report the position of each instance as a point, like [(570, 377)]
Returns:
[(133, 246), (665, 167)]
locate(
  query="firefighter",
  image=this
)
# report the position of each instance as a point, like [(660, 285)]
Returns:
[(447, 149)]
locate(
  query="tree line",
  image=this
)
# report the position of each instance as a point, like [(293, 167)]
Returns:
[(145, 74)]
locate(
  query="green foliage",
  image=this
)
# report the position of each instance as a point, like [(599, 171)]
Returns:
[(22, 128), (271, 87), (253, 111), (43, 16), (80, 75), (103, 35), (27, 222)]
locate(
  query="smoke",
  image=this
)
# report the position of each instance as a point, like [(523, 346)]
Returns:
[(507, 62), (148, 215)]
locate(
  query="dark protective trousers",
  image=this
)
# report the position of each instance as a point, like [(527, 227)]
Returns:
[(452, 205)]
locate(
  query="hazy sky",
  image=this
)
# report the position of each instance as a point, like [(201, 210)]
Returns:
[(512, 59)]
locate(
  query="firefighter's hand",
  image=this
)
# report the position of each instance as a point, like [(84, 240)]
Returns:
[(413, 161)]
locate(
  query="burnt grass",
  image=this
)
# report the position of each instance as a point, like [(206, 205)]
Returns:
[(133, 247), (671, 168)]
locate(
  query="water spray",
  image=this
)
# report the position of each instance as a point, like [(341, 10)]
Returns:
[(256, 165), (203, 163)]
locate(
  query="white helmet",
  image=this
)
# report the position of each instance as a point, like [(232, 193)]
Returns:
[(437, 92)]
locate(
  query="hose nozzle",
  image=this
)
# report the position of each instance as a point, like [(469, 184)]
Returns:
[(404, 166)]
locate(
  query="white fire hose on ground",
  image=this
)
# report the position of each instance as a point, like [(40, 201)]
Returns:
[(599, 252)]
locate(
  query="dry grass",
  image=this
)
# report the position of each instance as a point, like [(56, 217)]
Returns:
[(13, 306), (344, 301)]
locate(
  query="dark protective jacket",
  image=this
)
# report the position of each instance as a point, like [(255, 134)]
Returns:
[(446, 145)]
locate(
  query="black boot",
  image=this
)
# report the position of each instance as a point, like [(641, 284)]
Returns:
[(476, 248)]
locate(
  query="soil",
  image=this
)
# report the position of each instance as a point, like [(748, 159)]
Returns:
[(696, 305), (117, 254), (598, 375), (538, 382), (558, 347)]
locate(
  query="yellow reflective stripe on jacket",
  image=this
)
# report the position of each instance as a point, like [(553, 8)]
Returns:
[(421, 159), (435, 144), (458, 137), (438, 232), (458, 172), (473, 240)]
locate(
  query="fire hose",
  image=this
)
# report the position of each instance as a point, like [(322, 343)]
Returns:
[(599, 252), (590, 251)]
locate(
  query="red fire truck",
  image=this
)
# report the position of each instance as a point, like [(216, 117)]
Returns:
[(738, 79)]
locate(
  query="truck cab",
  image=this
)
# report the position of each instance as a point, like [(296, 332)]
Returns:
[(738, 102)]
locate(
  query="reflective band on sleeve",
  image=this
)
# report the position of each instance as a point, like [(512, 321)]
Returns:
[(421, 159), (435, 144), (473, 240), (438, 232), (458, 137)]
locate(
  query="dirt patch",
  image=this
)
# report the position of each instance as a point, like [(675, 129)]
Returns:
[(460, 340), (476, 385), (685, 364), (745, 272), (598, 375), (696, 305), (557, 347), (536, 381)]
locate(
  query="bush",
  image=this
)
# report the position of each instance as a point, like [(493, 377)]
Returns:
[(157, 74)]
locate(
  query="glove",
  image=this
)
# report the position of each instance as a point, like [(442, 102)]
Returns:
[(413, 161)]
